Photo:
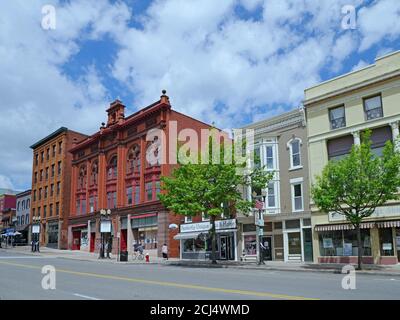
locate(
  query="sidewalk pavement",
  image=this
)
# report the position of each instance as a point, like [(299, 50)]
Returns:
[(392, 270)]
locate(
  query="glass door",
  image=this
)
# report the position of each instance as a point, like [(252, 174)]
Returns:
[(307, 243), (224, 248)]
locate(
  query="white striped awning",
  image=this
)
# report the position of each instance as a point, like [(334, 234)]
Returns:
[(364, 225), (388, 224)]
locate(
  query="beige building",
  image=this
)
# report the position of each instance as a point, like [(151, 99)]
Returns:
[(337, 112), (281, 144)]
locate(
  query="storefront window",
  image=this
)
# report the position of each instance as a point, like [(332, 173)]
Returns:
[(250, 246), (386, 241), (344, 243), (194, 245), (249, 227), (294, 240)]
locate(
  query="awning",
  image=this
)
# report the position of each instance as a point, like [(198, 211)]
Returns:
[(363, 225), (187, 235), (344, 226)]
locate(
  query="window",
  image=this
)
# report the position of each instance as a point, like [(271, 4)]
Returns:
[(112, 169), (34, 195), (45, 192), (129, 196), (83, 206), (270, 157), (22, 221), (271, 194), (137, 194), (51, 190), (343, 243), (40, 193), (51, 210), (158, 188), (44, 211), (59, 168), (94, 173), (33, 212), (18, 221), (188, 219), (91, 203), (58, 188), (36, 159), (52, 170), (27, 218), (42, 156), (292, 224), (297, 196), (149, 191), (257, 157), (35, 178), (57, 208), (373, 108), (23, 204), (111, 200), (41, 175), (340, 147), (337, 117), (54, 150), (386, 241), (48, 154), (38, 211), (134, 160), (379, 137), (60, 147), (47, 173), (82, 178), (295, 153), (18, 205), (78, 206), (28, 203)]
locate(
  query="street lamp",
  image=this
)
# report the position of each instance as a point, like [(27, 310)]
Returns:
[(259, 222), (105, 227), (35, 233)]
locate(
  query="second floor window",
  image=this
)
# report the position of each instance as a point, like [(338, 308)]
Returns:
[(149, 191), (269, 157), (295, 153), (337, 117), (373, 108), (112, 169), (297, 196), (59, 168), (129, 195)]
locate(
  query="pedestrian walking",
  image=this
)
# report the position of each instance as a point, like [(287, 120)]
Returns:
[(164, 251), (262, 252)]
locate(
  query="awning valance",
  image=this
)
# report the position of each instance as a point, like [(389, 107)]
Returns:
[(364, 225), (186, 235)]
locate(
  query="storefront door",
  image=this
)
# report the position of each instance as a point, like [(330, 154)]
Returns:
[(76, 240), (226, 247), (267, 242), (92, 241), (293, 246), (307, 241)]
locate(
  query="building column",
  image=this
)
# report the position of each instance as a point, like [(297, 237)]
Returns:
[(356, 136), (129, 237), (121, 169), (375, 249), (395, 134)]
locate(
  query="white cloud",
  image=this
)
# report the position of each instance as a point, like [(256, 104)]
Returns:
[(5, 183), (379, 21)]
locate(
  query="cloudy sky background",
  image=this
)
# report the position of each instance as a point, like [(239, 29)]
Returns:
[(228, 61)]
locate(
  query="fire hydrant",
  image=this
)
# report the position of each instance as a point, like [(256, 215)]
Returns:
[(147, 257)]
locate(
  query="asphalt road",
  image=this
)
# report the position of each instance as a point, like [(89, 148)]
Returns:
[(21, 278)]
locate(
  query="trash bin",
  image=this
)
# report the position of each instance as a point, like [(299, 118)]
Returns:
[(123, 256)]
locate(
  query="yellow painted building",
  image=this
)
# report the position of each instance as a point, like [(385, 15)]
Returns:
[(337, 112)]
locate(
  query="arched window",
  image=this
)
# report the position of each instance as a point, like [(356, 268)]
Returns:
[(82, 178), (27, 218), (134, 160), (294, 146), (94, 173), (23, 204), (28, 203), (112, 169)]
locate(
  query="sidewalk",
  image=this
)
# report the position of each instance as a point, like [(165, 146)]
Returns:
[(78, 255), (393, 270)]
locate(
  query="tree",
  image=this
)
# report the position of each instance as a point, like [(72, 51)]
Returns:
[(211, 189), (357, 184)]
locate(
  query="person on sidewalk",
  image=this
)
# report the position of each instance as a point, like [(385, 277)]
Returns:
[(164, 251), (262, 252)]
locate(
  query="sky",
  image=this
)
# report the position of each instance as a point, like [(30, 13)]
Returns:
[(230, 62)]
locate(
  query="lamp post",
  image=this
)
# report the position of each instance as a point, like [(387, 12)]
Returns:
[(259, 222), (105, 227), (35, 233)]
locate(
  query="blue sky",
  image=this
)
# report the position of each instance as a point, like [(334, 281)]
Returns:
[(229, 62)]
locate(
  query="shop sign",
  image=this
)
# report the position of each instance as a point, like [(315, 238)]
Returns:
[(380, 212), (105, 226), (36, 228), (348, 249), (205, 226), (328, 243), (387, 246)]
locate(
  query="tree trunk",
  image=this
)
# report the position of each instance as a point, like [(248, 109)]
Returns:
[(213, 241), (360, 247)]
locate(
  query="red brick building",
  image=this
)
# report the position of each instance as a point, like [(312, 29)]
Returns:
[(7, 210), (110, 171)]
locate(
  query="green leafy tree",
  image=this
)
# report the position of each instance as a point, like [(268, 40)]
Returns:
[(211, 188), (357, 184)]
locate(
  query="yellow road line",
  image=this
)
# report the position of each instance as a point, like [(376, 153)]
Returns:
[(168, 284)]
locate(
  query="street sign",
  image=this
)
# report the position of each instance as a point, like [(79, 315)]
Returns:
[(35, 228), (261, 232)]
